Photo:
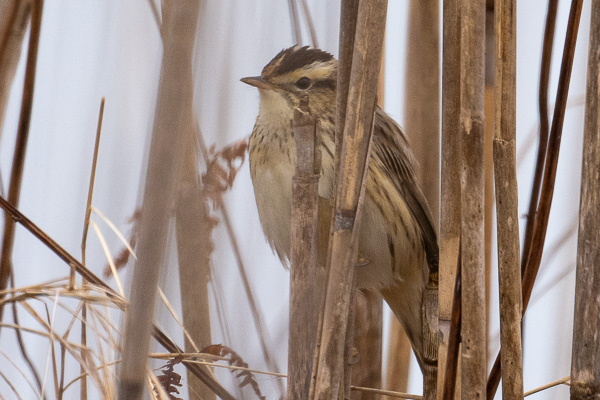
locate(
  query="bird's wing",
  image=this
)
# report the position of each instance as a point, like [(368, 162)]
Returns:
[(397, 157)]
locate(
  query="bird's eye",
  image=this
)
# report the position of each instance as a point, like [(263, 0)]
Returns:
[(303, 83)]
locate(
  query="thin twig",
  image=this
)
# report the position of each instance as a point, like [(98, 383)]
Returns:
[(564, 381), (88, 208), (295, 22), (548, 45), (389, 393), (310, 23), (21, 343)]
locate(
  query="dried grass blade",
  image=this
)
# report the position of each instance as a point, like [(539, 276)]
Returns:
[(109, 258), (116, 230), (176, 318)]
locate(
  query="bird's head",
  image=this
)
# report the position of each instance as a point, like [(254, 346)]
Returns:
[(293, 73)]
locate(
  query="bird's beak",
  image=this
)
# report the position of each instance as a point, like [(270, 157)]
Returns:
[(259, 82)]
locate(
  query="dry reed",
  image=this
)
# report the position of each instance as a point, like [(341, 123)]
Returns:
[(585, 367)]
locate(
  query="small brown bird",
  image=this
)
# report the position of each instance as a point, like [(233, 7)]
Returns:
[(397, 237)]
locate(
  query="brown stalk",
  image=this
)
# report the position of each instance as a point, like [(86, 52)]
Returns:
[(423, 90), (544, 126), (450, 178), (113, 296), (309, 23), (194, 249), (173, 116), (585, 366), (303, 274), (505, 175), (367, 332), (350, 188), (86, 225), (88, 208), (21, 343), (451, 370), (364, 339), (423, 127), (472, 87), (541, 221), (295, 21), (16, 172), (14, 16)]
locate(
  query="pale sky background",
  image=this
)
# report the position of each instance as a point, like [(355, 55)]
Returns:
[(90, 49)]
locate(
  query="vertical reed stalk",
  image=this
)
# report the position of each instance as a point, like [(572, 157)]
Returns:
[(585, 367), (534, 256), (303, 286), (450, 185), (423, 96), (423, 126), (350, 188), (194, 248), (14, 15), (368, 331), (173, 111), (505, 171), (18, 162), (472, 75)]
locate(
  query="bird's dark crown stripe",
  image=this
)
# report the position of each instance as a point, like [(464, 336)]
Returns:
[(294, 58)]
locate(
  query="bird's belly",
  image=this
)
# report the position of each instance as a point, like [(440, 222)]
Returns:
[(273, 192)]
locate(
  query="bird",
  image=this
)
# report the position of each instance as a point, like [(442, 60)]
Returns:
[(397, 240)]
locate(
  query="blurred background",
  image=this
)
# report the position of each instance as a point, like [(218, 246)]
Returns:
[(112, 49)]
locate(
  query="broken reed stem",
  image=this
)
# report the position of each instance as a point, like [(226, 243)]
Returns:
[(173, 115), (585, 366), (505, 176), (534, 256), (451, 367), (474, 344), (18, 162), (450, 176), (548, 44), (113, 296), (350, 189), (303, 286), (368, 314), (14, 15)]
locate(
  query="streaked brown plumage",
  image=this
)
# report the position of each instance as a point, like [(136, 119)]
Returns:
[(397, 237)]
